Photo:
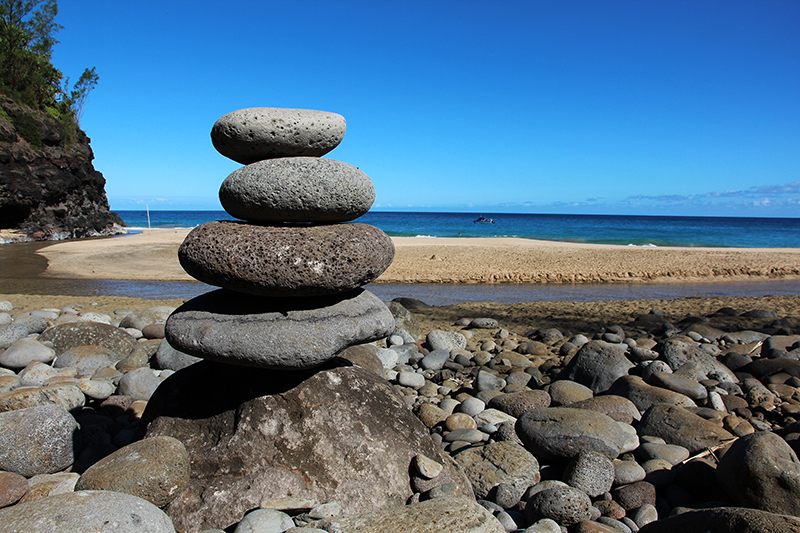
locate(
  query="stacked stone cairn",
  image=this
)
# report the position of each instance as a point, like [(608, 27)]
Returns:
[(291, 272)]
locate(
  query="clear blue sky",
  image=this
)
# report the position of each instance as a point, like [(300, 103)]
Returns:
[(618, 107)]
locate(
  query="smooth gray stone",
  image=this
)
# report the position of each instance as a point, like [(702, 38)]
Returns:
[(435, 360), (38, 440), (79, 512), (645, 396), (695, 433), (265, 521), (297, 189), (139, 384), (761, 470), (276, 333), (597, 365), (168, 358), (560, 433), (286, 261), (488, 381), (25, 351), (258, 133)]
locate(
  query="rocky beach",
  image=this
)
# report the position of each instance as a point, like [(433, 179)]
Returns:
[(290, 399)]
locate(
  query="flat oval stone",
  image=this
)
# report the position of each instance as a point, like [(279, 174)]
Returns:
[(286, 261), (297, 189), (276, 333), (257, 133)]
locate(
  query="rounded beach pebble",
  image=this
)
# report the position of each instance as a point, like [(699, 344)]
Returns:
[(286, 261), (276, 333), (297, 189), (258, 133), (38, 440), (78, 512)]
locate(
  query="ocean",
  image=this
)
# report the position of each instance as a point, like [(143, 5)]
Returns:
[(737, 232)]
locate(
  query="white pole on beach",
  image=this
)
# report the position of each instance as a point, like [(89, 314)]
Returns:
[(147, 207)]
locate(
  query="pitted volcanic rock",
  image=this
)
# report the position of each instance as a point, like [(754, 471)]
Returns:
[(297, 189), (280, 333), (280, 261), (258, 133)]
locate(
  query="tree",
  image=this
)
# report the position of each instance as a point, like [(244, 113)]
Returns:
[(27, 37)]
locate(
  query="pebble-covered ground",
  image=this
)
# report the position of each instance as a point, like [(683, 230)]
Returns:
[(570, 421)]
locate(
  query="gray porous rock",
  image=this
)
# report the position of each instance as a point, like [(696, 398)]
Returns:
[(761, 470), (276, 333), (725, 520), (591, 472), (12, 333), (256, 432), (258, 133), (79, 512), (297, 189), (597, 365), (441, 515), (560, 433), (38, 440), (565, 505), (696, 433), (286, 261), (154, 469), (67, 336)]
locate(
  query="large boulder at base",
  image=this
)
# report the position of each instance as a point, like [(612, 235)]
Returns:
[(282, 261), (560, 433), (441, 515), (257, 133), (38, 440), (677, 425), (761, 470), (73, 334), (725, 520), (335, 433), (276, 333), (297, 189), (154, 469), (79, 512)]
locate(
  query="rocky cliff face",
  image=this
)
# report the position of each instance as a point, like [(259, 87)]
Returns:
[(49, 189)]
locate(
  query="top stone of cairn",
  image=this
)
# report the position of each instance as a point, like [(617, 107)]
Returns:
[(258, 133)]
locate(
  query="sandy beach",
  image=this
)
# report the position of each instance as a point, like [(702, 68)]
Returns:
[(152, 256)]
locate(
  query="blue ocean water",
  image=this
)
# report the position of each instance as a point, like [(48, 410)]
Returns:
[(739, 232)]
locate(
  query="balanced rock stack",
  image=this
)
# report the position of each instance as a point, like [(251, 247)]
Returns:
[(291, 272)]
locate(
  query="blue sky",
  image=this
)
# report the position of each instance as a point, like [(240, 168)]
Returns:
[(615, 107)]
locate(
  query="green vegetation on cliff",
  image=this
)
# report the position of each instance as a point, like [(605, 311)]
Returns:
[(27, 75)]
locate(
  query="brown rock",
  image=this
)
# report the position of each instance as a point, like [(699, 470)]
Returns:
[(677, 425)]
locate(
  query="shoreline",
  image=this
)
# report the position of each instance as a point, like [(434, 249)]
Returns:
[(152, 256)]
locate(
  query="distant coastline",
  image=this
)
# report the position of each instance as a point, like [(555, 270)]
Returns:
[(627, 230)]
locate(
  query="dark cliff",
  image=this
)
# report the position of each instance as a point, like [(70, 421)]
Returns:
[(49, 189)]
